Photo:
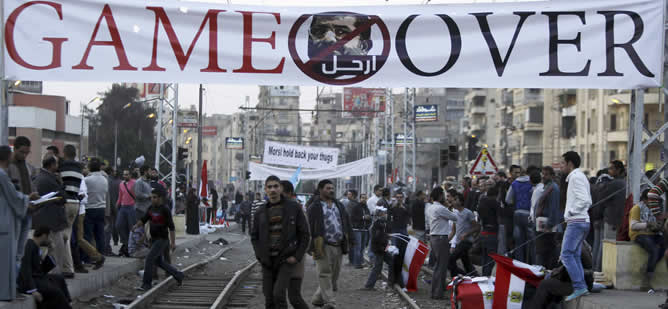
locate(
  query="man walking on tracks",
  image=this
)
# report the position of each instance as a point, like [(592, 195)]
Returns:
[(330, 229), (280, 236)]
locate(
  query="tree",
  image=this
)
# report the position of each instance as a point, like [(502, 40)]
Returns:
[(136, 132)]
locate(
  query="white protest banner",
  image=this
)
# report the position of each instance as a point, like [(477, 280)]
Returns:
[(297, 155), (544, 44), (356, 168)]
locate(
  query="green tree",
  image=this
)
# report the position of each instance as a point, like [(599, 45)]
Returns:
[(136, 132)]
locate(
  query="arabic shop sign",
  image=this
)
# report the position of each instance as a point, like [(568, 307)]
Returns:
[(426, 113)]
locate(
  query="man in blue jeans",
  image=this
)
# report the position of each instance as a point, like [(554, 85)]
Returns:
[(578, 201), (360, 219)]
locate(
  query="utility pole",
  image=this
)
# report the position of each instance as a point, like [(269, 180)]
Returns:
[(199, 135)]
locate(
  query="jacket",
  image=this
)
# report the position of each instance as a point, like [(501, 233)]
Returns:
[(358, 211), (316, 222), (50, 214), (578, 197), (294, 233), (520, 193), (613, 213), (548, 205), (15, 175), (379, 236), (98, 190), (417, 214), (142, 191), (598, 193)]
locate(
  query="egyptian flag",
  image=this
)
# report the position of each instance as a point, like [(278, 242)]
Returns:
[(472, 293), (204, 186), (416, 253), (516, 282)]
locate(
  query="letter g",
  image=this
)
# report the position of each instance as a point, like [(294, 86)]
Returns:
[(55, 42)]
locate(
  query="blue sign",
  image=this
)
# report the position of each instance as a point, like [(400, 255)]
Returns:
[(426, 113)]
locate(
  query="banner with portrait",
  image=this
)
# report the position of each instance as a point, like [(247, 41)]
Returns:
[(543, 44)]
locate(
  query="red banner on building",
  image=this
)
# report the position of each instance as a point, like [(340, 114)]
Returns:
[(209, 131), (363, 102)]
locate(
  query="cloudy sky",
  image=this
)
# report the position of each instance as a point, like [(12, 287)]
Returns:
[(225, 99)]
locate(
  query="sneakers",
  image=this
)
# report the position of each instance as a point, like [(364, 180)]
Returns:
[(99, 263), (179, 278), (80, 269), (144, 288), (576, 294)]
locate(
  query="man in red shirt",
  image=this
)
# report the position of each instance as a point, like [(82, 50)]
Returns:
[(126, 216)]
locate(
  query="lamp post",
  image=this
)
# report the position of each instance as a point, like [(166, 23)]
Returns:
[(81, 111), (116, 136)]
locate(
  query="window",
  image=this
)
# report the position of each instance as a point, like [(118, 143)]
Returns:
[(593, 94), (613, 155), (568, 126), (588, 125), (535, 159), (646, 120), (535, 114), (582, 125), (613, 123)]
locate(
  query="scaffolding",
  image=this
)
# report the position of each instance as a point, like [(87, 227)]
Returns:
[(168, 105)]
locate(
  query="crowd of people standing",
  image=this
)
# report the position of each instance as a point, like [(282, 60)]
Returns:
[(89, 207)]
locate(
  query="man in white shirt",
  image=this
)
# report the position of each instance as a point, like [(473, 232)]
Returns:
[(578, 201), (439, 228)]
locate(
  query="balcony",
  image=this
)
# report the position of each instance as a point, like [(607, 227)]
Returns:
[(625, 98), (476, 127), (480, 110), (476, 93), (618, 136), (532, 149), (533, 126)]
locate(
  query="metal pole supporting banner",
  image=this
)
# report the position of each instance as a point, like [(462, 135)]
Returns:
[(635, 147), (158, 127), (199, 137)]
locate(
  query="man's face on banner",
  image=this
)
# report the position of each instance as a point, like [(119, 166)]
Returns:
[(327, 30)]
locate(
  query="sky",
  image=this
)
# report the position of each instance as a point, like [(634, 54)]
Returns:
[(226, 99)]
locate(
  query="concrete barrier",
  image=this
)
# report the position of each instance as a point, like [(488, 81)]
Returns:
[(625, 263)]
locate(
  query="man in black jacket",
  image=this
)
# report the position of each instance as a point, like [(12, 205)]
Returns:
[(50, 291), (330, 230), (280, 237), (360, 219), (53, 216), (382, 252), (418, 216)]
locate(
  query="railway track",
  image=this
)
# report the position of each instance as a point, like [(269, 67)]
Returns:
[(201, 291)]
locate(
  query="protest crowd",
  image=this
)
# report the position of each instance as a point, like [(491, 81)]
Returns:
[(555, 219)]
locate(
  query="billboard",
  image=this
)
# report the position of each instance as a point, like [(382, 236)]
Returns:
[(426, 113), (188, 119), (400, 141), (209, 131), (234, 143), (359, 102)]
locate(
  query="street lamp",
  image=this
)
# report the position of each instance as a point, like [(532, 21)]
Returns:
[(82, 106), (126, 106)]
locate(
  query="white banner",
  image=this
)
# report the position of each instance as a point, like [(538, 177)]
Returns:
[(546, 44), (297, 155), (355, 168)]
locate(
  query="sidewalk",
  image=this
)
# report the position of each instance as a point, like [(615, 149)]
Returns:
[(615, 299), (114, 268)]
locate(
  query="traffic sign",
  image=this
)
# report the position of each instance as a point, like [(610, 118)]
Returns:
[(484, 164)]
